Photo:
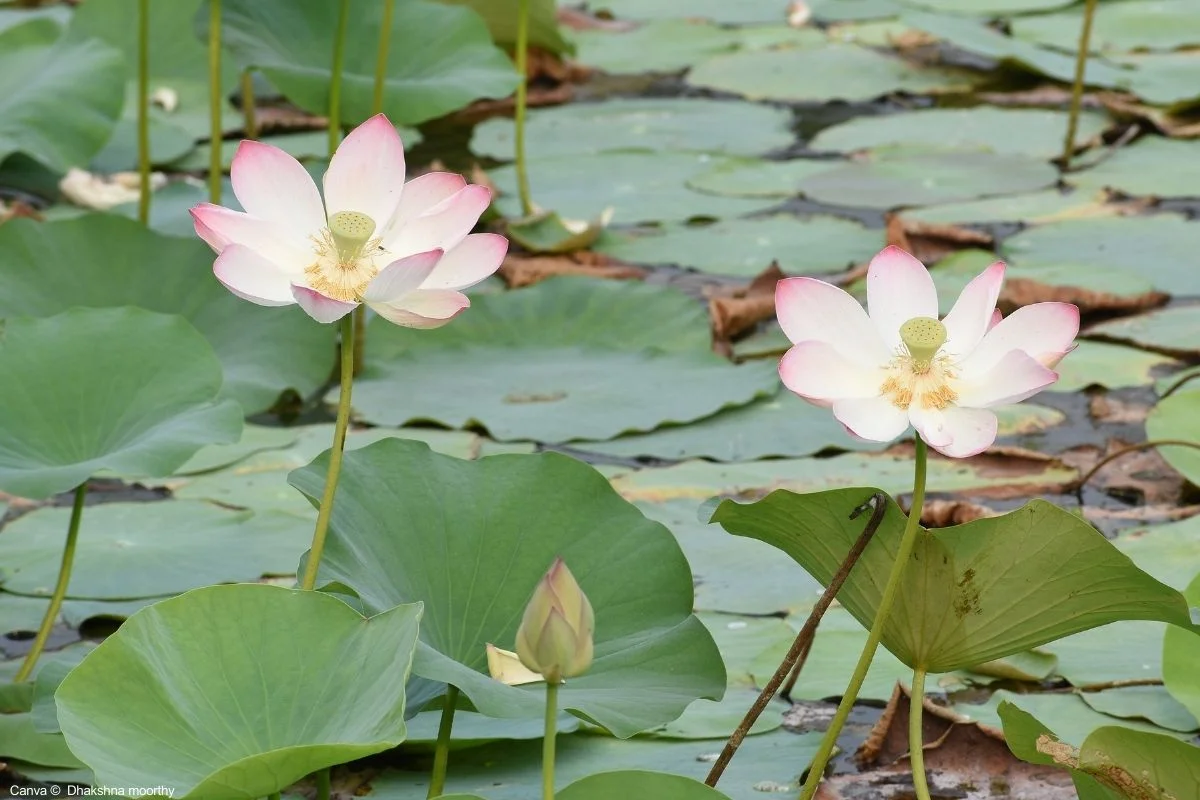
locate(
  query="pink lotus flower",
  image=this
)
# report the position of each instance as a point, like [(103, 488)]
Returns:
[(403, 249), (901, 365)]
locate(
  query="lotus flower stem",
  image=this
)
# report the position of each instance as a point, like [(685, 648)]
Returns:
[(916, 738), (381, 57), (335, 76), (60, 588), (441, 752), (1133, 448), (1081, 57), (335, 456), (794, 660), (273, 796), (143, 111), (323, 783), (548, 740), (519, 113), (215, 133), (250, 119), (825, 751)]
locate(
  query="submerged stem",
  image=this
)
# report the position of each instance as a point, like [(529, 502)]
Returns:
[(323, 783), (143, 110), (441, 752), (1133, 448), (522, 98), (916, 738), (215, 133), (335, 456), (1085, 38), (911, 529), (381, 57), (335, 76), (550, 733), (249, 117), (60, 588)]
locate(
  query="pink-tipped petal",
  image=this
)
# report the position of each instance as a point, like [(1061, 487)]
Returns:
[(444, 225), (401, 277), (971, 431), (1013, 378), (898, 289), (272, 185), (972, 314), (817, 371), (813, 310), (320, 307), (366, 174), (1044, 331), (473, 259), (221, 227), (875, 419), (995, 320), (424, 308), (252, 277)]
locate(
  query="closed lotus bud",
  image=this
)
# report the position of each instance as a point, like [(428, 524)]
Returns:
[(555, 637)]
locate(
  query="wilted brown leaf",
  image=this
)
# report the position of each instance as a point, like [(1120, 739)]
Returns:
[(737, 310), (1128, 106), (537, 96), (947, 513), (521, 270), (1019, 291), (930, 242)]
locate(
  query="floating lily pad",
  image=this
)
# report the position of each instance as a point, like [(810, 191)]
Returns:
[(673, 45), (1150, 703), (1169, 79), (1089, 657), (1178, 417), (255, 439), (59, 99), (914, 176), (667, 124), (1031, 132), (132, 550), (440, 57), (158, 405), (512, 771), (653, 658), (743, 639), (819, 74), (892, 473), (1160, 248), (746, 247), (1128, 25), (634, 783), (1110, 365), (1044, 567), (472, 730), (178, 59), (1181, 650), (1149, 167), (20, 739), (226, 710), (989, 7), (168, 142), (715, 10), (849, 10), (1066, 713), (1049, 205), (640, 187), (779, 425), (1169, 552), (1168, 330), (48, 267), (554, 363), (759, 177)]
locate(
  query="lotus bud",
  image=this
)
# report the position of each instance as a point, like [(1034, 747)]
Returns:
[(555, 637)]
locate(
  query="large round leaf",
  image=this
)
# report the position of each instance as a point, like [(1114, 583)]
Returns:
[(1178, 417), (973, 592), (117, 389), (568, 359), (670, 124), (1129, 25), (1181, 653), (440, 57), (472, 538), (132, 550), (59, 99), (501, 17), (238, 691), (638, 783), (102, 260), (1149, 167)]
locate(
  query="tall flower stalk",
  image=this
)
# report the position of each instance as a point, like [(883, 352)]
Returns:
[(522, 55), (1081, 58), (143, 110), (215, 99), (335, 76)]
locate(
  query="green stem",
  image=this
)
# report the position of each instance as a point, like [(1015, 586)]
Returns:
[(335, 456), (911, 529), (441, 752), (549, 735), (1085, 38), (916, 738), (273, 796), (60, 588), (143, 110), (381, 57), (250, 119), (519, 113), (335, 77), (1133, 448), (214, 101), (324, 780)]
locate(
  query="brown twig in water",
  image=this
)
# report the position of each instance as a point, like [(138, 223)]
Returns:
[(1106, 685), (1177, 385), (1133, 448), (877, 504)]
